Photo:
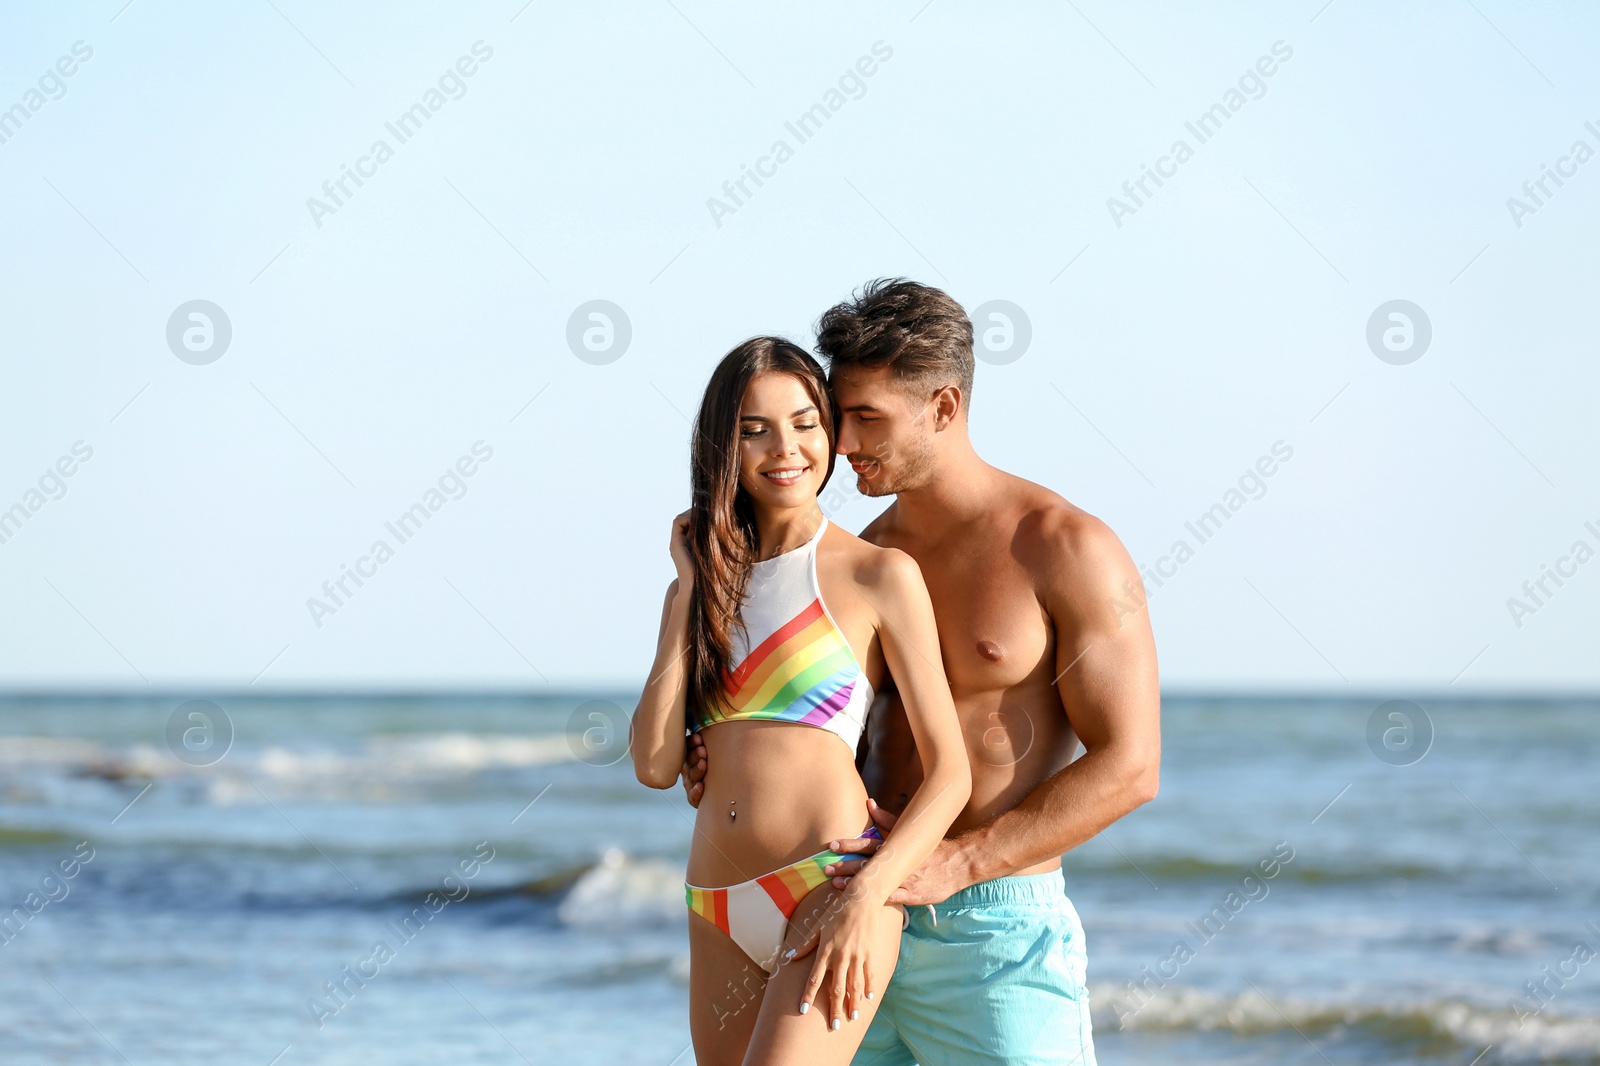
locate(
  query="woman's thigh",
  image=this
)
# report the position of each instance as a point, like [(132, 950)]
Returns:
[(782, 1034), (725, 991)]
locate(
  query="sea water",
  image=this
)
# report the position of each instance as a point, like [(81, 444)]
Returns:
[(462, 880)]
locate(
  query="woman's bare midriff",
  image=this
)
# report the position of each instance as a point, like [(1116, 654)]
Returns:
[(794, 788)]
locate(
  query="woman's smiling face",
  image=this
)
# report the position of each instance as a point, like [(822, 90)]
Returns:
[(783, 446)]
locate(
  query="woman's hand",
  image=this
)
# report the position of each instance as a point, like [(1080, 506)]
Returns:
[(681, 557), (844, 958)]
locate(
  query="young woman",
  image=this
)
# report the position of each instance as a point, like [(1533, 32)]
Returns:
[(778, 621)]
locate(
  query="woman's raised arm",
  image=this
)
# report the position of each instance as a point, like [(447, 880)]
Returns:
[(657, 741)]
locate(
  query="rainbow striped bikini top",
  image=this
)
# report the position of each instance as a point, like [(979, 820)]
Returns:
[(794, 664)]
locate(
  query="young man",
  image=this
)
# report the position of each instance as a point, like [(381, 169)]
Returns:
[(1030, 596)]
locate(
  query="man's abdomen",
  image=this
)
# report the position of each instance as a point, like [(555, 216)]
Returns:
[(1015, 739)]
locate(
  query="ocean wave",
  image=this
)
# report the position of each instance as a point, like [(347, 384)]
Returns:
[(17, 837), (1548, 1037), (1167, 868), (617, 891), (620, 891), (376, 769)]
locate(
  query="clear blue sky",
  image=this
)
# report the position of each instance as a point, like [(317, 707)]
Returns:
[(1172, 346)]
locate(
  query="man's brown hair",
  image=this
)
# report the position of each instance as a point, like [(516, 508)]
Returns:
[(918, 332)]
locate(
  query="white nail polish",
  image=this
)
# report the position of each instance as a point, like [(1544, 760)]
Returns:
[(804, 1007), (836, 1023), (855, 1016), (869, 995)]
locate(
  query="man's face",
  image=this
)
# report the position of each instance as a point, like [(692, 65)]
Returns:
[(884, 430)]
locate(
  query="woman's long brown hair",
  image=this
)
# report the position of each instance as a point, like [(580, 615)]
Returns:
[(723, 541)]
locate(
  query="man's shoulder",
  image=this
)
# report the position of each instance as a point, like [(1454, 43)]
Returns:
[(1054, 536)]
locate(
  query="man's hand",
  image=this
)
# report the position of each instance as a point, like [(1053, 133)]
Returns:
[(693, 774), (943, 874), (865, 846)]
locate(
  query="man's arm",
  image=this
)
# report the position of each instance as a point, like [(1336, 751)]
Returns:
[(1108, 685), (693, 772)]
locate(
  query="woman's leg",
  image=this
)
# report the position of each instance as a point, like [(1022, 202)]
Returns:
[(785, 1037), (725, 990)]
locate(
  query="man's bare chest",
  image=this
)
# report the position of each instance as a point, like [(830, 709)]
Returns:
[(993, 632)]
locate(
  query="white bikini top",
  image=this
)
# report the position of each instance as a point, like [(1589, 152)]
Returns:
[(793, 662)]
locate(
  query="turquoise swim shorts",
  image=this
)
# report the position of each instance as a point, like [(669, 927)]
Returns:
[(995, 975)]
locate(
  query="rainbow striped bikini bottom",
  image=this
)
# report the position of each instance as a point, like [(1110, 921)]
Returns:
[(755, 913)]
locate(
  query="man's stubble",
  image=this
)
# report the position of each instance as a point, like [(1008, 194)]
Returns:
[(912, 469)]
